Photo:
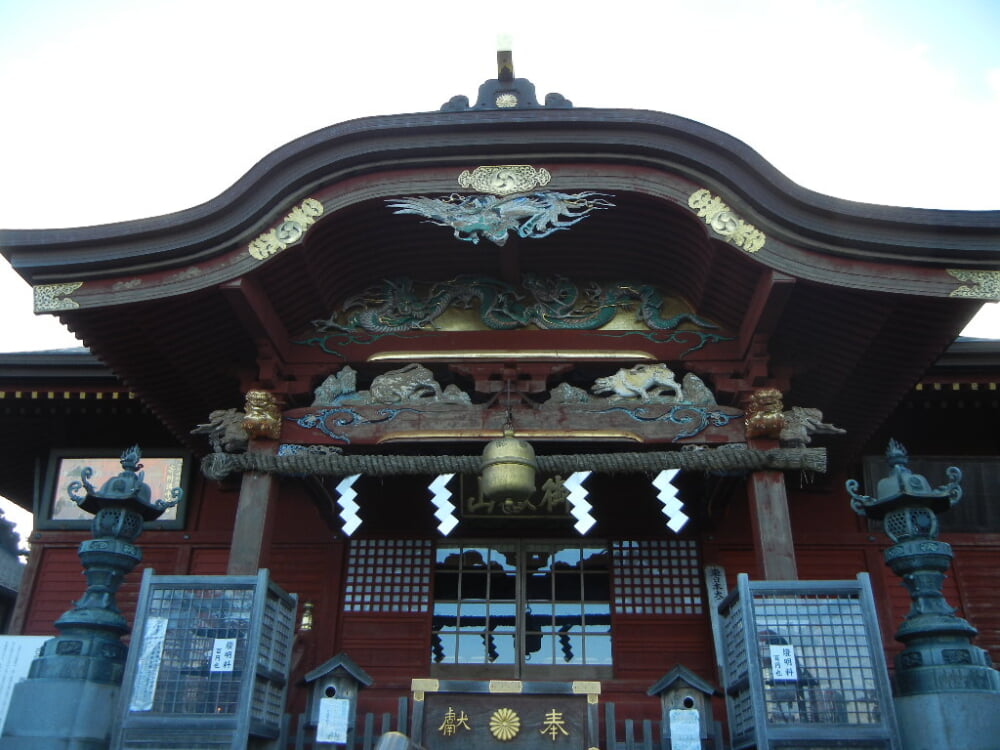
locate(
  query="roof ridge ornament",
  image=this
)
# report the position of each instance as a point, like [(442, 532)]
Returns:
[(505, 91)]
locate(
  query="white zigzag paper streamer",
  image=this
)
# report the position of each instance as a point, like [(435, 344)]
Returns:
[(673, 508), (579, 508), (441, 498), (349, 508)]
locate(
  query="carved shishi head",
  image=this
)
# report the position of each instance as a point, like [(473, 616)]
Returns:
[(764, 418), (263, 417)]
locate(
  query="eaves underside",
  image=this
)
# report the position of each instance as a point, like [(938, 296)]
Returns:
[(602, 139)]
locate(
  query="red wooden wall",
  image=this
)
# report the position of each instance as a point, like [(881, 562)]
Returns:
[(307, 558)]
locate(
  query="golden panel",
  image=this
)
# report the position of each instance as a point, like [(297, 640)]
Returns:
[(979, 284), (506, 686), (724, 222), (55, 297), (504, 179), (439, 435), (504, 355)]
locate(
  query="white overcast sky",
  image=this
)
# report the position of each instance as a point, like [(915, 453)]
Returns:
[(122, 109)]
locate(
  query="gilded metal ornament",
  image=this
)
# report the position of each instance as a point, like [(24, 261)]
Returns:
[(979, 284), (55, 297), (764, 417), (263, 416), (724, 222), (476, 217), (288, 231), (505, 724), (505, 686), (504, 179)]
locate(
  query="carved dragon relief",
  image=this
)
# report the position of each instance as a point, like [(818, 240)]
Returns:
[(403, 307)]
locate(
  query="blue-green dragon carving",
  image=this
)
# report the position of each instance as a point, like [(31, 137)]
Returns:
[(474, 217), (556, 302)]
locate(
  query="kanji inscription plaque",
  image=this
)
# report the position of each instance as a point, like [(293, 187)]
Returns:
[(505, 715)]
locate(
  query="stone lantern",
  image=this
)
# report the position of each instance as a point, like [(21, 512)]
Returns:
[(68, 699), (947, 693)]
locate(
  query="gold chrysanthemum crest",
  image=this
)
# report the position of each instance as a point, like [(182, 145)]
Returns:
[(505, 724)]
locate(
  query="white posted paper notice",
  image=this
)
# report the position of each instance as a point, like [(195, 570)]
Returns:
[(783, 663), (333, 716), (223, 655)]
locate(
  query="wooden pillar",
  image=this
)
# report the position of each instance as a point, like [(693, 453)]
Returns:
[(254, 517), (770, 520)]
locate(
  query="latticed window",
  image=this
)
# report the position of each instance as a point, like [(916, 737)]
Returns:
[(388, 575), (522, 604), (657, 577)]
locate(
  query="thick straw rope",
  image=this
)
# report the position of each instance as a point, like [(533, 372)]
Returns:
[(220, 465)]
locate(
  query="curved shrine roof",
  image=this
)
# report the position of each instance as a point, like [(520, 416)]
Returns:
[(844, 304)]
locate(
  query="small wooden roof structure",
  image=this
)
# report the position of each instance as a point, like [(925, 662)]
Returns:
[(842, 305)]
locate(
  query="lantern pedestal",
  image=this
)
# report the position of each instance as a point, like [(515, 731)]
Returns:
[(59, 714)]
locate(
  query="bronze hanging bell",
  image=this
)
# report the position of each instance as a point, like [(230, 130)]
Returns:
[(508, 469)]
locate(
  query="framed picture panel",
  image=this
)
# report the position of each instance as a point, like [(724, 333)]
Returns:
[(163, 470)]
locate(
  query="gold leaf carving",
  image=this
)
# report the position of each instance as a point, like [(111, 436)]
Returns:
[(724, 222), (287, 232), (54, 297), (979, 284), (504, 179)]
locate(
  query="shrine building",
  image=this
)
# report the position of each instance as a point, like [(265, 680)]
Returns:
[(510, 393)]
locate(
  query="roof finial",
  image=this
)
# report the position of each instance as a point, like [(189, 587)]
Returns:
[(505, 57), (505, 91)]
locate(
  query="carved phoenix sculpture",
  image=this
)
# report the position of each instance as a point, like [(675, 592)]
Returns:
[(475, 217)]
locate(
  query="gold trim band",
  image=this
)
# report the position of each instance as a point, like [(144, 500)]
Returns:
[(502, 355), (436, 435)]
